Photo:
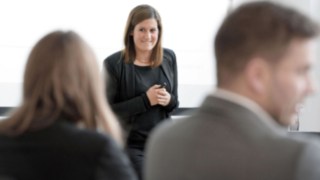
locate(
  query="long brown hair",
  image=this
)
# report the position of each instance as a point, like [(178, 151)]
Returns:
[(137, 15), (62, 81)]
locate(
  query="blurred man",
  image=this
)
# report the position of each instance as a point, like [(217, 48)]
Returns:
[(239, 131)]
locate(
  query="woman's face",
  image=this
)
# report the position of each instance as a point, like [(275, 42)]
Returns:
[(145, 35)]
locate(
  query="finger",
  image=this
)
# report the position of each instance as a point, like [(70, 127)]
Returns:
[(163, 93), (162, 97), (156, 86), (162, 103)]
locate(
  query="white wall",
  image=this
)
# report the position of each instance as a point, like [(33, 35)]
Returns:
[(189, 28)]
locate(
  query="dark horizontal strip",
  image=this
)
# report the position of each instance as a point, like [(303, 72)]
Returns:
[(4, 110), (178, 112), (183, 111)]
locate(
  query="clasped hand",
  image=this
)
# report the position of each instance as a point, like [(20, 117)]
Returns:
[(157, 95)]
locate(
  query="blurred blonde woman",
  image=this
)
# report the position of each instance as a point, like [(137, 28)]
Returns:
[(53, 134)]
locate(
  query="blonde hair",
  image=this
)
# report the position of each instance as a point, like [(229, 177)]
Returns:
[(62, 81)]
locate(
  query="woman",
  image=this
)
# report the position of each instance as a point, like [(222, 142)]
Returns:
[(143, 84), (53, 134)]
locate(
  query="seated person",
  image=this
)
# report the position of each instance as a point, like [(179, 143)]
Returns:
[(53, 134)]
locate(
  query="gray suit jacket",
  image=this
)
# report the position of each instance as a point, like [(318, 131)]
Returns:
[(226, 141)]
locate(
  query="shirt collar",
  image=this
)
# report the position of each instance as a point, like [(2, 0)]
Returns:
[(247, 103)]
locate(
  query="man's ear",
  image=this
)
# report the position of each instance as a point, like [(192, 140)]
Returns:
[(257, 73)]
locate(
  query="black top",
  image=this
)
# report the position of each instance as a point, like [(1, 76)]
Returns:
[(144, 79), (126, 92), (62, 151)]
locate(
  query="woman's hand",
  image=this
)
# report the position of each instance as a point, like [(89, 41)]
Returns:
[(152, 94), (163, 97), (157, 95)]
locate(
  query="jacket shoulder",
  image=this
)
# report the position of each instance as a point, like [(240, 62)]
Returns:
[(113, 59), (168, 52), (169, 55)]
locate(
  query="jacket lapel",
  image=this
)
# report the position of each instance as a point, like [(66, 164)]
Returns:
[(129, 70), (165, 67)]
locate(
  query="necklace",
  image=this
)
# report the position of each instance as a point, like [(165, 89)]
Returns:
[(137, 61)]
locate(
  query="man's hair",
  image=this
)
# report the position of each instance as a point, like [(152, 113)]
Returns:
[(262, 29)]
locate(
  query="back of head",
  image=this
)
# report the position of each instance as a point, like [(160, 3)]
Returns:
[(136, 16), (58, 76), (262, 29), (61, 81)]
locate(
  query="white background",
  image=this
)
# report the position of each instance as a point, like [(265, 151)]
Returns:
[(189, 28)]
